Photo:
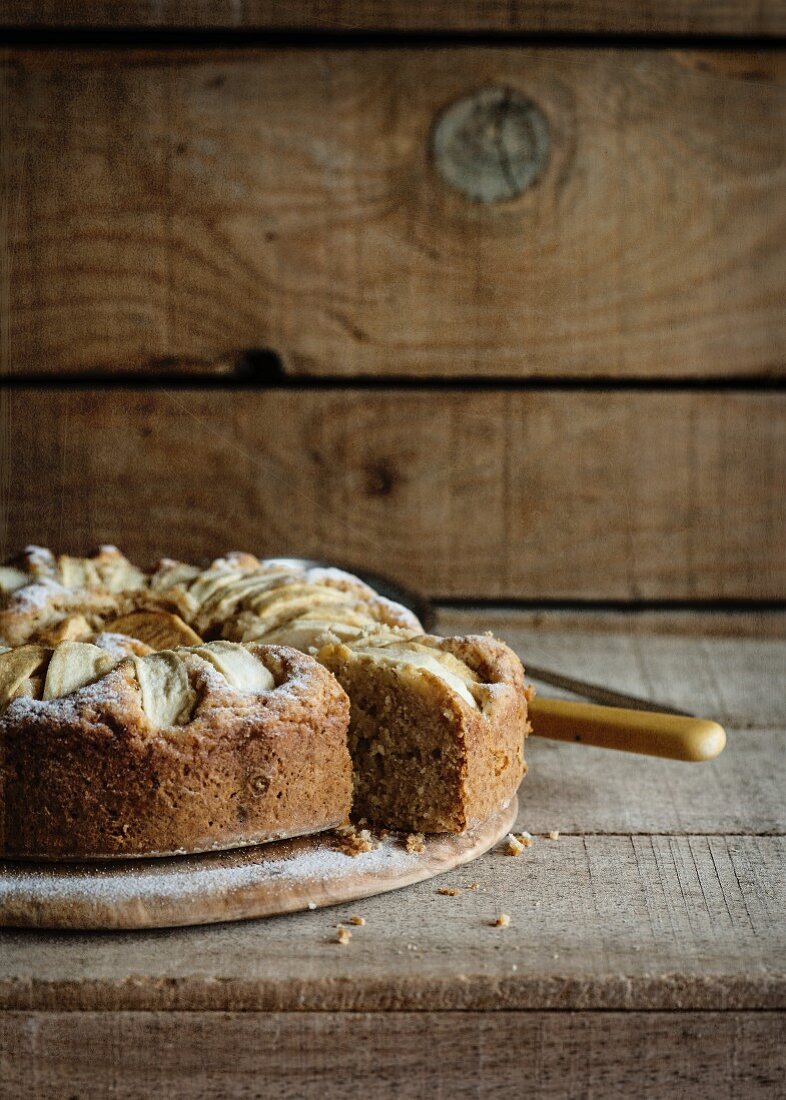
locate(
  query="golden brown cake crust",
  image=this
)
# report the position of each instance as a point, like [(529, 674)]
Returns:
[(87, 776), (494, 737)]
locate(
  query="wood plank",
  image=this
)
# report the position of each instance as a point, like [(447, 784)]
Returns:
[(466, 1056), (617, 923), (593, 16), (579, 790), (673, 621), (173, 210), (736, 684), (675, 495)]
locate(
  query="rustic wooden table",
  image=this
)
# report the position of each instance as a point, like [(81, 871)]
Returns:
[(645, 953)]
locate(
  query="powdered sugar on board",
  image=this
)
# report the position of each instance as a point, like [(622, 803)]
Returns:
[(282, 877)]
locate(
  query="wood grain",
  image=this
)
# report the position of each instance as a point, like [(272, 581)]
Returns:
[(174, 210), (762, 621), (581, 790), (559, 494), (597, 922), (616, 16), (467, 1056)]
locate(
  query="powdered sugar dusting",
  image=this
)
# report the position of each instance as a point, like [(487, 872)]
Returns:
[(67, 708), (38, 595), (118, 645), (39, 557), (314, 862)]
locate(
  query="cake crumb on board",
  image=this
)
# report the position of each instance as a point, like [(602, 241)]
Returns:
[(343, 935), (359, 921), (449, 891), (554, 834), (355, 842), (501, 921), (415, 843)]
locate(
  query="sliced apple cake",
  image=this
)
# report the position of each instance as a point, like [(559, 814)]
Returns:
[(183, 709)]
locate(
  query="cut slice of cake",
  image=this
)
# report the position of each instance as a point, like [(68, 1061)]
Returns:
[(437, 728)]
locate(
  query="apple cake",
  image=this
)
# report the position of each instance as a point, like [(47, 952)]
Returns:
[(187, 708)]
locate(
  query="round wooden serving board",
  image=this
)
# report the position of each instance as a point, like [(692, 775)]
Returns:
[(284, 877)]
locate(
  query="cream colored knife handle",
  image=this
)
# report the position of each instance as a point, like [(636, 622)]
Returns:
[(670, 735)]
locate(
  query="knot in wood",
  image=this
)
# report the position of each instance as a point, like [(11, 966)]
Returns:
[(381, 478), (491, 145)]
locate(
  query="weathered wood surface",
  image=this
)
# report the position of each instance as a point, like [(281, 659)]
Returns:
[(580, 790), (641, 904), (736, 17), (171, 210), (676, 495), (708, 621), (718, 677), (597, 922), (466, 1056)]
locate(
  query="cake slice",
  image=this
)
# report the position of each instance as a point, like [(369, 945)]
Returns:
[(437, 728)]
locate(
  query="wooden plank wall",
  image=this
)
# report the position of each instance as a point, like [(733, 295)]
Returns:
[(179, 208), (567, 495), (735, 17), (505, 321)]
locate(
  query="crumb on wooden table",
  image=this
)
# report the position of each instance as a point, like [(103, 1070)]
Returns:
[(343, 935), (415, 843), (501, 921), (516, 843), (474, 886), (357, 920), (513, 846), (554, 834), (449, 891)]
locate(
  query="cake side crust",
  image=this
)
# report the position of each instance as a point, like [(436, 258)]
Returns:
[(246, 769)]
